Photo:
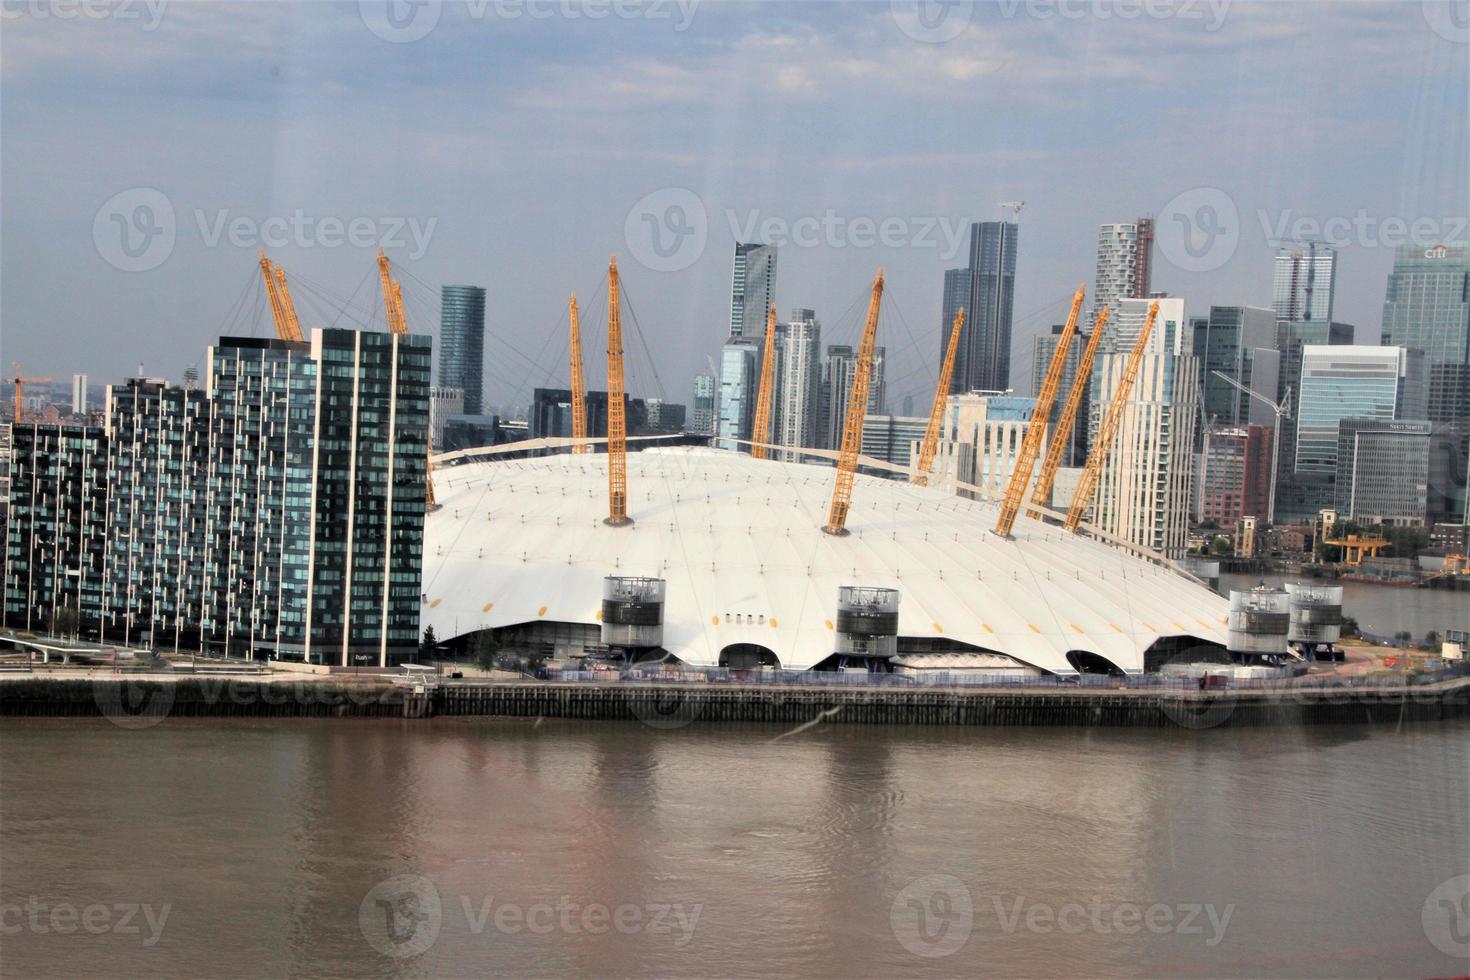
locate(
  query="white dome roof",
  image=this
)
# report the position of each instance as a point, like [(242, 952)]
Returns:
[(741, 546)]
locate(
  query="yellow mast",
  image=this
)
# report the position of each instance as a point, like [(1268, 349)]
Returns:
[(392, 298), (1041, 496), (617, 423), (273, 293), (1109, 430), (1036, 430), (941, 397), (288, 305), (760, 435), (579, 382), (857, 407)]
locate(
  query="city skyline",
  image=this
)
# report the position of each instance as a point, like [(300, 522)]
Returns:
[(1140, 163)]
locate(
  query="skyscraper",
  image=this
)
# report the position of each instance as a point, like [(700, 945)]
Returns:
[(703, 408), (1143, 491), (1124, 264), (797, 397), (1383, 471), (1356, 382), (1045, 349), (983, 361), (1304, 282), (79, 394), (752, 289), (739, 380), (1239, 342), (837, 378), (1427, 306), (462, 344)]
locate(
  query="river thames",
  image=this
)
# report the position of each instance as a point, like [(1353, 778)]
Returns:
[(494, 848)]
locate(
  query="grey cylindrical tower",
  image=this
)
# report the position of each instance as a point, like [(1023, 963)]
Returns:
[(632, 611), (867, 621), (1258, 621)]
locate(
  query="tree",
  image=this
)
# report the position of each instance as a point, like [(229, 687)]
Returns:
[(1431, 640), (1349, 626), (65, 622), (431, 641), (1403, 638), (1221, 546), (484, 650)]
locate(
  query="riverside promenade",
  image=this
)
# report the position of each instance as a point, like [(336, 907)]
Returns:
[(142, 699)]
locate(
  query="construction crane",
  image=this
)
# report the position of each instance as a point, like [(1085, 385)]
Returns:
[(761, 435), (579, 382), (392, 297), (293, 325), (20, 381), (941, 396), (1040, 415), (617, 422), (857, 407), (273, 293), (1111, 423), (1013, 206), (1067, 421), (1283, 411)]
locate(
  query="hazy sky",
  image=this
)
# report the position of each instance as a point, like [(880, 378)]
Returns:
[(149, 149)]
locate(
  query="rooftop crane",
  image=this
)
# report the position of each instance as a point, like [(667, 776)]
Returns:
[(20, 382), (1283, 411), (392, 297), (579, 381), (288, 305), (857, 407), (1041, 496), (1111, 423), (617, 422), (941, 395), (273, 292), (761, 434), (1040, 415)]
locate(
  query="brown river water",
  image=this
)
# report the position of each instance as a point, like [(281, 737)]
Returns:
[(476, 848)]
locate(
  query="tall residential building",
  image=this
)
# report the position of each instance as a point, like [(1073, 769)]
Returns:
[(982, 437), (1124, 265), (837, 378), (1356, 382), (1383, 472), (1235, 474), (462, 344), (1239, 342), (1304, 282), (704, 407), (444, 404), (891, 438), (1291, 337), (1143, 491), (1045, 350), (79, 394), (796, 398), (277, 512), (983, 362), (739, 383), (752, 289)]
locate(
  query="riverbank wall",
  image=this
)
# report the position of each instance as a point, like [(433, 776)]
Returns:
[(136, 702)]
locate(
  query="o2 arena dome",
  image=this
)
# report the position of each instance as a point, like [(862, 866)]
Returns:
[(726, 564)]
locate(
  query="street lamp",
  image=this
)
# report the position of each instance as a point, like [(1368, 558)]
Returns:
[(1282, 410)]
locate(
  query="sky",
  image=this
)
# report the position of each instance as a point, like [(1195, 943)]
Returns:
[(149, 150)]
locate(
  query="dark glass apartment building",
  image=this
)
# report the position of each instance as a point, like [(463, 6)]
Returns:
[(278, 512), (987, 285), (462, 344)]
